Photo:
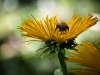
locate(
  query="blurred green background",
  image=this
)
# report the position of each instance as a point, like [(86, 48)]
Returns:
[(18, 59)]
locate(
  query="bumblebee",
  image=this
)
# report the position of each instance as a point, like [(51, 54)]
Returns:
[(62, 27)]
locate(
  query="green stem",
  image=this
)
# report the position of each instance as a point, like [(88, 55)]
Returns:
[(63, 64)]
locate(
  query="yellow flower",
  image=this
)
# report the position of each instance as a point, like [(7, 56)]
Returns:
[(83, 71), (87, 55), (56, 35), (44, 30)]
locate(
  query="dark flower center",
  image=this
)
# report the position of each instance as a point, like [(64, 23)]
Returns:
[(55, 46)]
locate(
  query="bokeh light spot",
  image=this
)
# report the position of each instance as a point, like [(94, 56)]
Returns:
[(10, 5), (46, 5), (12, 21)]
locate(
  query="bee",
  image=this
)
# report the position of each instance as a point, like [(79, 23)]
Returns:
[(62, 27)]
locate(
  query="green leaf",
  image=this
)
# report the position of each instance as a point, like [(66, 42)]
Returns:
[(42, 49), (44, 53)]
